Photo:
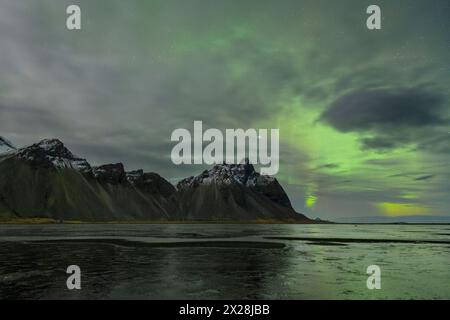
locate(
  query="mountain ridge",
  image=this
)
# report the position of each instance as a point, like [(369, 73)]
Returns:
[(235, 191), (46, 180)]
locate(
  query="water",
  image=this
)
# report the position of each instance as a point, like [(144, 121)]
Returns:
[(224, 261)]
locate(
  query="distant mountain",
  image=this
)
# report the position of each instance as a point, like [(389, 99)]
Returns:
[(401, 219), (47, 180), (235, 192)]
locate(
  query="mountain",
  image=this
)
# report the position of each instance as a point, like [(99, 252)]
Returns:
[(46, 180), (51, 153), (235, 192), (6, 146), (394, 220)]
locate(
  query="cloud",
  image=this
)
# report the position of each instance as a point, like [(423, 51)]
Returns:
[(438, 144), (379, 143), (425, 177), (384, 108), (383, 162), (387, 118), (329, 166)]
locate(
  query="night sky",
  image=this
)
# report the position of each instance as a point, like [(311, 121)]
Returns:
[(363, 115)]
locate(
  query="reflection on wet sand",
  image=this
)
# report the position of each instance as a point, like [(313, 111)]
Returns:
[(224, 261)]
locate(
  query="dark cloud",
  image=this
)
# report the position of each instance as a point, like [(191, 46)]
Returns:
[(383, 162), (329, 166), (384, 109), (388, 118), (29, 119), (438, 144), (378, 143), (400, 175), (425, 177)]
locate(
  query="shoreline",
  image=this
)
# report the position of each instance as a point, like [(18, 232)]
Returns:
[(49, 221)]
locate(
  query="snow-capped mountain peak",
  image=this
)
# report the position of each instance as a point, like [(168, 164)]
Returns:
[(53, 153), (241, 174), (241, 178), (56, 148)]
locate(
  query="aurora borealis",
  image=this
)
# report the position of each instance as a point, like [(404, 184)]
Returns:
[(363, 115)]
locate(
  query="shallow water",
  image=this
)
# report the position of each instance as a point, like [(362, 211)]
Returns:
[(225, 261)]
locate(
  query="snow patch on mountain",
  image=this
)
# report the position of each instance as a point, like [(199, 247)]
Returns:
[(227, 174), (52, 152), (134, 176)]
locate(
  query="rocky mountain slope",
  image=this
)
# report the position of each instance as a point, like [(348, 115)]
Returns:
[(47, 180), (235, 192)]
